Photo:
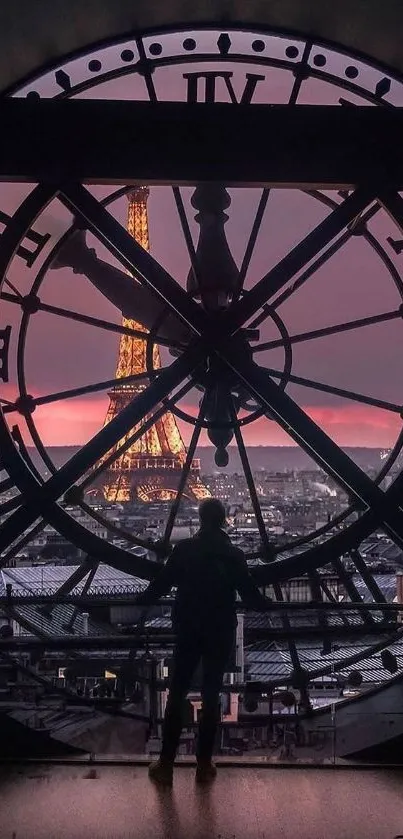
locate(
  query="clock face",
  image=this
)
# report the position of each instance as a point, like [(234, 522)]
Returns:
[(314, 364)]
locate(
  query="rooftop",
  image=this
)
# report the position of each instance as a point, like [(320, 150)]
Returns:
[(265, 659)]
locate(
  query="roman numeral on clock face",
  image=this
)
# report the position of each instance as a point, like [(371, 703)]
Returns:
[(5, 335), (26, 252), (202, 87)]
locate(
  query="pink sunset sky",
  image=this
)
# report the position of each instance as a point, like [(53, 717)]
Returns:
[(75, 423)]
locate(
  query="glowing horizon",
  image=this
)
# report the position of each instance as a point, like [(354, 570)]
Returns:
[(73, 423)]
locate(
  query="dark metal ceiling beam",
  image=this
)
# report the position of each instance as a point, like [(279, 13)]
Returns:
[(171, 142)]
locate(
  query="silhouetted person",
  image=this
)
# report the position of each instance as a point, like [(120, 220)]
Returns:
[(207, 571)]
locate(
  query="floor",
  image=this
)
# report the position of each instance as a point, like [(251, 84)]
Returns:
[(117, 802)]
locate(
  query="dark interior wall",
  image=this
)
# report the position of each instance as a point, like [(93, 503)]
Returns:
[(33, 35)]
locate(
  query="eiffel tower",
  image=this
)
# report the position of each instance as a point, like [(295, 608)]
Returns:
[(150, 468)]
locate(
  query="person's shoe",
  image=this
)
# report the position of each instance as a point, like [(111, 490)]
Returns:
[(205, 772), (161, 772)]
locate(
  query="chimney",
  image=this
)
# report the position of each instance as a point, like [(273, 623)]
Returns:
[(399, 593), (85, 616)]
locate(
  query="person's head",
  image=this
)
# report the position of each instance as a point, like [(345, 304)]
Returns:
[(212, 513)]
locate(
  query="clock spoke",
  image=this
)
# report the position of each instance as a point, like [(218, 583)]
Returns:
[(11, 504), (133, 438), (77, 391), (288, 292), (147, 71), (19, 544), (131, 538), (323, 258), (317, 444), (316, 264), (335, 329), (300, 73), (371, 584), (84, 591), (251, 242), (17, 293), (93, 388), (317, 592), (133, 257), (337, 391), (86, 567), (186, 231), (37, 500), (185, 469), (297, 258), (352, 590), (268, 554), (89, 320)]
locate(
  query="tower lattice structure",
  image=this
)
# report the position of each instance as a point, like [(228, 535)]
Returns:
[(150, 468)]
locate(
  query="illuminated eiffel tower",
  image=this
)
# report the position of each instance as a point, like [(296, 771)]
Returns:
[(150, 468)]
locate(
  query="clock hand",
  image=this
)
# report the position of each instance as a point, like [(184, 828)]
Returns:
[(134, 300), (137, 260)]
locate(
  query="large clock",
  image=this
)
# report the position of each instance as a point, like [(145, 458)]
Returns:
[(276, 313)]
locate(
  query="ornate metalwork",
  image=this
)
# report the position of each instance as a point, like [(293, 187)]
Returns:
[(217, 342)]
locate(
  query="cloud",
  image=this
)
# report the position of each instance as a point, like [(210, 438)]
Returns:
[(75, 421), (66, 423), (346, 425)]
